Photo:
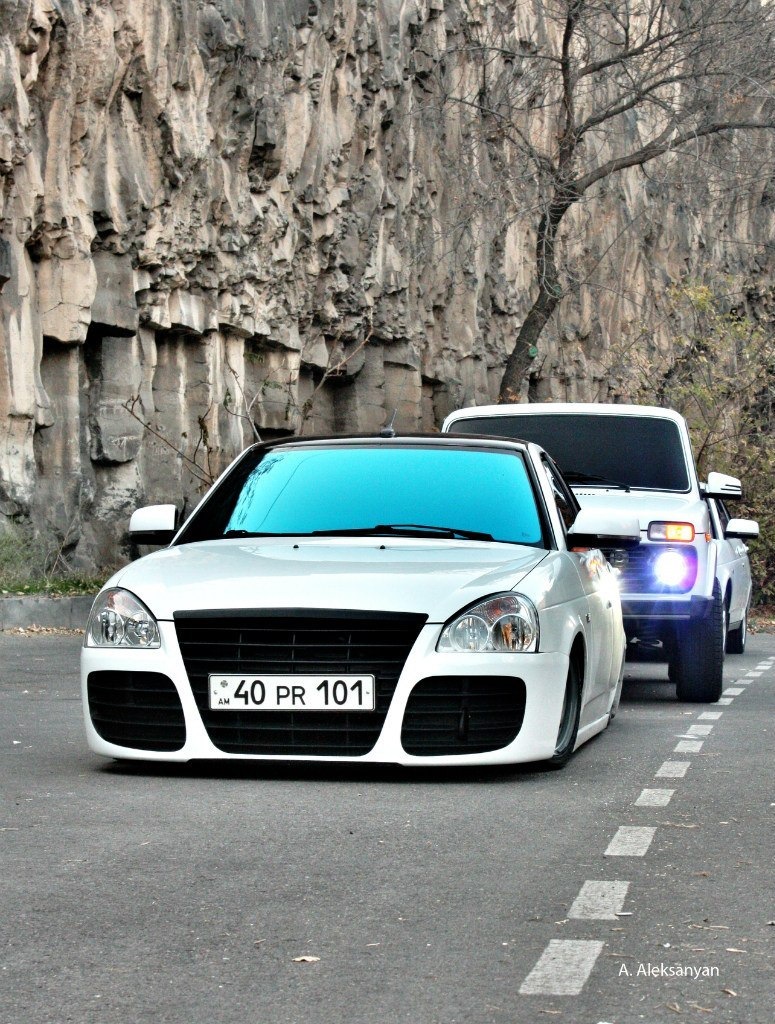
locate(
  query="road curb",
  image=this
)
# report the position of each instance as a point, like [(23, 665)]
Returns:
[(40, 610)]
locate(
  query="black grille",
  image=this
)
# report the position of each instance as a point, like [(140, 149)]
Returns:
[(136, 709), (463, 714), (304, 642), (636, 576)]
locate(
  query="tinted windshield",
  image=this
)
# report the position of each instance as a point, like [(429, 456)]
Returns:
[(631, 451), (422, 491)]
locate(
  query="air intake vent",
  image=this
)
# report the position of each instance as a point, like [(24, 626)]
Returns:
[(462, 715), (136, 709)]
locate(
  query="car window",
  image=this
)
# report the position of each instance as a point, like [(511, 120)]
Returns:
[(311, 490), (631, 451), (723, 515)]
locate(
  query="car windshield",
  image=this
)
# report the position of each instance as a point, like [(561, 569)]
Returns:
[(356, 490), (604, 451)]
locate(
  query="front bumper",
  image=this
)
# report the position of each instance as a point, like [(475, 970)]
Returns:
[(544, 676), (691, 608)]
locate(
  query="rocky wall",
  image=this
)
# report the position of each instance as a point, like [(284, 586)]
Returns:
[(245, 217)]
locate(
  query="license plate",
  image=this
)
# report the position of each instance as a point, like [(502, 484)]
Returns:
[(291, 693)]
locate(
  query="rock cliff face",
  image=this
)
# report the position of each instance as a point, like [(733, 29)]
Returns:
[(237, 214)]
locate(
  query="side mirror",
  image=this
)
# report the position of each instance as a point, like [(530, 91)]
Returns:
[(153, 524), (594, 528), (742, 529), (720, 485)]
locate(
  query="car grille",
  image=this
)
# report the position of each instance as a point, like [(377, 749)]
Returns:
[(136, 709), (304, 642), (636, 574), (463, 715)]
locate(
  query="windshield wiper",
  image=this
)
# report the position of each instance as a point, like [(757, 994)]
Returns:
[(405, 530), (589, 478)]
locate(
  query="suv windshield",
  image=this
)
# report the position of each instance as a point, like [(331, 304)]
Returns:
[(604, 451), (373, 490)]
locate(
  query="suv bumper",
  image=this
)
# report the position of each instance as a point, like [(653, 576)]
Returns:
[(647, 609)]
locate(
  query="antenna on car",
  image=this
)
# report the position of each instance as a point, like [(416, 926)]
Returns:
[(388, 431)]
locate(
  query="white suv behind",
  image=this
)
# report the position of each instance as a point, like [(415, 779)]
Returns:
[(686, 588)]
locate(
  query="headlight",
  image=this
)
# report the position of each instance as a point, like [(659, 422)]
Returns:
[(675, 569), (119, 619), (504, 624)]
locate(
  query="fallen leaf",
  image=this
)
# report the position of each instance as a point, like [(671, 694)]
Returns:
[(703, 1009), (306, 959), (674, 1007), (729, 991), (702, 874), (555, 1012), (624, 913), (731, 949)]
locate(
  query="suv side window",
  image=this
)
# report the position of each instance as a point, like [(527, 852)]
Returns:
[(567, 505)]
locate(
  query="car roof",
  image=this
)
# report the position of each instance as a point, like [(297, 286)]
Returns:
[(562, 409)]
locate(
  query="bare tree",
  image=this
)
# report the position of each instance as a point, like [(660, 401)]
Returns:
[(576, 91)]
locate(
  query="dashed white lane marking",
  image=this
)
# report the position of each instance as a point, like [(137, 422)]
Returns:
[(654, 798), (688, 747), (710, 716), (733, 691), (699, 730), (725, 700), (630, 841), (599, 901), (673, 770), (754, 673), (562, 968)]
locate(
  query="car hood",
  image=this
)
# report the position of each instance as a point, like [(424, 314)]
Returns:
[(435, 578), (648, 506)]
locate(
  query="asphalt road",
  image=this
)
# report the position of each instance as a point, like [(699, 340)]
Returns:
[(135, 894)]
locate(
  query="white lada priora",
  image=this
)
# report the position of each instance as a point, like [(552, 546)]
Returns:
[(412, 600)]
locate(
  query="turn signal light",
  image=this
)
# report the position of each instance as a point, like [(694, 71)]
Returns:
[(673, 532)]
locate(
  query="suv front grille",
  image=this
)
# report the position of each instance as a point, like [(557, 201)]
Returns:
[(637, 575), (303, 642)]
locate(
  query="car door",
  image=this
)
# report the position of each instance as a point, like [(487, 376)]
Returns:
[(732, 567)]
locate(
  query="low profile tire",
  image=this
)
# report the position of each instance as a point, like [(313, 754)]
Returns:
[(737, 637), (569, 720), (698, 667)]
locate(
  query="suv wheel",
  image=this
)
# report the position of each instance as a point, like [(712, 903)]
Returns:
[(699, 658), (736, 637)]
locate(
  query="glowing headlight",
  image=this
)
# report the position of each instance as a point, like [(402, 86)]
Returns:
[(671, 568), (506, 623), (119, 619)]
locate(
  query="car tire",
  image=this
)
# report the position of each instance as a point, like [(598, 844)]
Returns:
[(569, 720), (737, 637), (699, 659)]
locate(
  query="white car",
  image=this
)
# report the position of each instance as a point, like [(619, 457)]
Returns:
[(410, 600), (688, 582)]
